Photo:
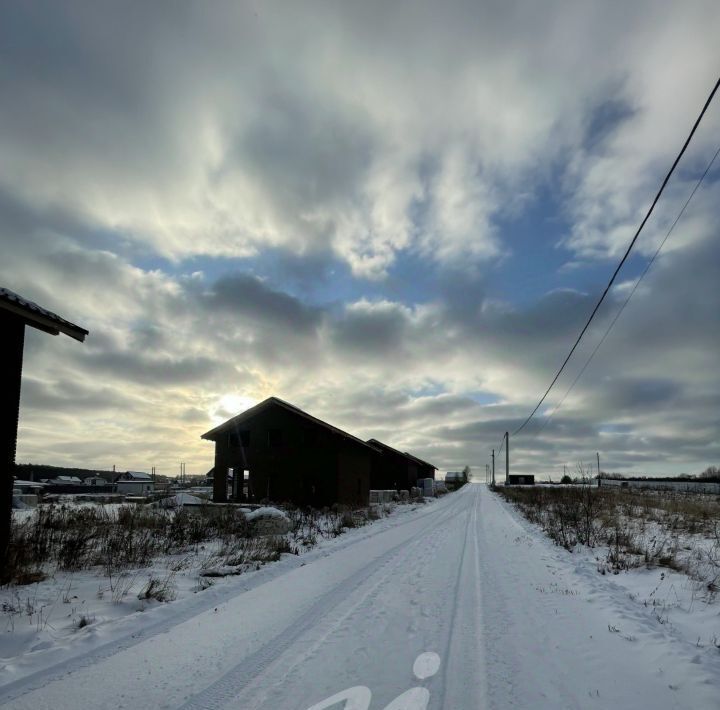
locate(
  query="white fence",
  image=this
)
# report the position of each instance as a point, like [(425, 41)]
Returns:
[(684, 486)]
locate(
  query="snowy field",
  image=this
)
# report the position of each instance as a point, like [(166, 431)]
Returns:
[(459, 604)]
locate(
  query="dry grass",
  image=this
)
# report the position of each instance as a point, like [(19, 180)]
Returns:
[(672, 529), (67, 538)]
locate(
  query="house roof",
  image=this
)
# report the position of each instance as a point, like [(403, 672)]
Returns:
[(126, 476), (421, 461), (275, 401), (380, 444), (39, 317), (135, 476)]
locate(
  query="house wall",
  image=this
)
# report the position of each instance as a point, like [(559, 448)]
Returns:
[(392, 471), (354, 473), (425, 471), (304, 466), (135, 487)]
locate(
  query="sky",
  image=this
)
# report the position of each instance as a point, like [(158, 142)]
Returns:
[(396, 216)]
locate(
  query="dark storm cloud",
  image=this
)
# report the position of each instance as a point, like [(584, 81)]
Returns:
[(302, 152), (375, 331), (70, 396), (624, 395), (144, 368), (244, 295)]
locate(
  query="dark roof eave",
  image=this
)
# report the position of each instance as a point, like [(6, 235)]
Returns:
[(38, 317)]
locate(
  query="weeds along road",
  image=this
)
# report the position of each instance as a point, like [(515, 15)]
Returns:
[(460, 602)]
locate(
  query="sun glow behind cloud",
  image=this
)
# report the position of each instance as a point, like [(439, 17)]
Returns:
[(228, 406)]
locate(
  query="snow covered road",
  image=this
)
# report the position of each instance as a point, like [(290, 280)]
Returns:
[(514, 622)]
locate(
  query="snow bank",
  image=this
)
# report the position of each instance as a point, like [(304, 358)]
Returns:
[(266, 512), (269, 521), (180, 500)]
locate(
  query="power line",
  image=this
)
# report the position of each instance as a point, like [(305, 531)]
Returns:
[(625, 256), (632, 292)]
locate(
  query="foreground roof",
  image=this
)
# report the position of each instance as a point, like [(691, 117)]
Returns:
[(275, 401), (37, 316)]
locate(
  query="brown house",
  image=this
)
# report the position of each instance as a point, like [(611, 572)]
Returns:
[(397, 470), (424, 469), (392, 469), (279, 452)]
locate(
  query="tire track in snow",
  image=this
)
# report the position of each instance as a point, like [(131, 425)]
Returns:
[(463, 673), (178, 613), (366, 613), (238, 679), (256, 693)]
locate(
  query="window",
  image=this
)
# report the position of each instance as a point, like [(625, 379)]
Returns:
[(274, 438)]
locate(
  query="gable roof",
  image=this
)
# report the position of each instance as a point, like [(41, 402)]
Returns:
[(126, 476), (66, 479), (381, 445), (421, 461), (275, 401), (39, 317)]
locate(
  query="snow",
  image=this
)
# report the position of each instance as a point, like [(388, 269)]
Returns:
[(179, 500), (459, 603), (265, 512)]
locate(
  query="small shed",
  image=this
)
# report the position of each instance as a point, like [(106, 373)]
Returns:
[(526, 479), (17, 312)]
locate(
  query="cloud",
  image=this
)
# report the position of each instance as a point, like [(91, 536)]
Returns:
[(319, 202), (247, 296), (226, 132)]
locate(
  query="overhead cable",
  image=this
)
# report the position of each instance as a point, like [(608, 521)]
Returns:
[(634, 288), (625, 256)]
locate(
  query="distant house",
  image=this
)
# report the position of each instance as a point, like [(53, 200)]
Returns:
[(455, 479), (65, 481), (279, 452), (393, 469), (135, 482), (95, 481), (26, 487)]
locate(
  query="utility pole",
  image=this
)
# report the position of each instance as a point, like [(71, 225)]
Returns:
[(507, 457), (493, 467), (598, 460)]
